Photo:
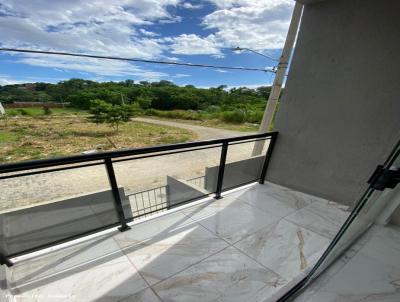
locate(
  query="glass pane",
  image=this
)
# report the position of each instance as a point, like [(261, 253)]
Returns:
[(242, 165), (44, 208), (363, 216), (154, 184)]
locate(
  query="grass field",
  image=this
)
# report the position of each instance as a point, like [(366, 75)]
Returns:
[(214, 123), (214, 120), (30, 137), (30, 133), (181, 116), (40, 112)]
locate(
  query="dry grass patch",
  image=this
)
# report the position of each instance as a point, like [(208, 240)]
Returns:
[(34, 138)]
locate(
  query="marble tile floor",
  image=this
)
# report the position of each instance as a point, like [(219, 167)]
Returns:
[(246, 246), (369, 271)]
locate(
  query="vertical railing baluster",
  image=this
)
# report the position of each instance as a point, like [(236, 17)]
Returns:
[(268, 157), (117, 198), (221, 170)]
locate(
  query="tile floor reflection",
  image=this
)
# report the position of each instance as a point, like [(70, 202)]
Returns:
[(244, 247)]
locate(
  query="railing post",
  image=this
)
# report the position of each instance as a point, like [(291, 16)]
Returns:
[(5, 260), (117, 198), (268, 157), (221, 170)]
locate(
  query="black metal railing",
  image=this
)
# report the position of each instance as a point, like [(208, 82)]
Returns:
[(148, 201), (108, 159)]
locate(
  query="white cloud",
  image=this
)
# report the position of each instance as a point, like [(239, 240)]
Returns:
[(148, 33), (98, 27), (194, 45), (6, 80), (189, 5), (257, 24), (181, 75), (94, 66), (115, 27), (251, 86)]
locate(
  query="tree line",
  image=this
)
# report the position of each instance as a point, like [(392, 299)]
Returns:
[(246, 103)]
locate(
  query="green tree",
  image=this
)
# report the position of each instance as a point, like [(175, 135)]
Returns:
[(144, 102), (114, 115)]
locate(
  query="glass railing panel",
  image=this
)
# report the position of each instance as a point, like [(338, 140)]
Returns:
[(243, 165), (41, 209), (165, 180)]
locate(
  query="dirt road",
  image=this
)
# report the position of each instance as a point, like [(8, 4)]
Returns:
[(133, 175), (203, 133)]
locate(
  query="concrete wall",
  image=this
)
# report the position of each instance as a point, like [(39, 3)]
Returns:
[(179, 191), (236, 173), (33, 226), (340, 113)]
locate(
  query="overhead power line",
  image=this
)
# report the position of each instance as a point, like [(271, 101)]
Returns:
[(132, 59)]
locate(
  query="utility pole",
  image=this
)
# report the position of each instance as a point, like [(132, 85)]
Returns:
[(279, 76)]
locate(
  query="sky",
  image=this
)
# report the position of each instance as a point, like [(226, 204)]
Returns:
[(172, 30)]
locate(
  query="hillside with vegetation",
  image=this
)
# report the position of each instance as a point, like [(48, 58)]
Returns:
[(162, 99)]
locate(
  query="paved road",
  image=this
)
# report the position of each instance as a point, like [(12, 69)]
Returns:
[(134, 175)]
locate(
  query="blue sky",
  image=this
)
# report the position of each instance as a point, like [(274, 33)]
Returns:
[(178, 30)]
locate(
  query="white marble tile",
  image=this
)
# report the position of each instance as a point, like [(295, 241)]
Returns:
[(371, 273), (231, 221), (5, 295), (160, 248), (284, 247), (146, 295), (278, 201), (384, 246), (322, 218), (227, 276), (75, 257), (111, 281), (361, 279), (323, 279)]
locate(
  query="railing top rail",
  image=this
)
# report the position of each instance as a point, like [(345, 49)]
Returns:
[(45, 163)]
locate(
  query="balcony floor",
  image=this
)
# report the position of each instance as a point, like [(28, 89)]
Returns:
[(249, 246), (368, 271)]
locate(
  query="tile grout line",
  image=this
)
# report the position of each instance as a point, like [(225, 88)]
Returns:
[(219, 237), (140, 274), (233, 245), (308, 229), (193, 264), (197, 223), (208, 230), (304, 208), (151, 286)]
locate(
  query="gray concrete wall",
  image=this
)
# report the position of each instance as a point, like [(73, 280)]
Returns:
[(179, 191), (236, 173), (340, 113), (33, 226)]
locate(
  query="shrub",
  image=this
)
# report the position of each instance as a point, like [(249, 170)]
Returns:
[(213, 108), (235, 116), (254, 117), (175, 114), (114, 115), (46, 110), (22, 111)]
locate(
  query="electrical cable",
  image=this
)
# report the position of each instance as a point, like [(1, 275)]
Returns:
[(132, 59)]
